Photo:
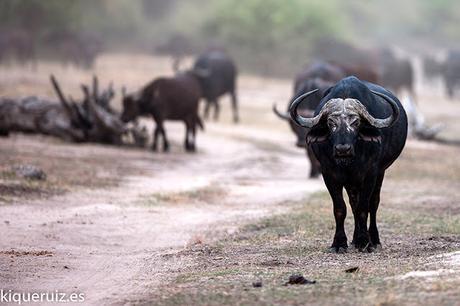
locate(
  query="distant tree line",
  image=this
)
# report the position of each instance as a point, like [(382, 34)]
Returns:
[(264, 35)]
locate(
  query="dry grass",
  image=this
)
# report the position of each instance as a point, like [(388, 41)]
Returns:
[(222, 273), (204, 195), (68, 166)]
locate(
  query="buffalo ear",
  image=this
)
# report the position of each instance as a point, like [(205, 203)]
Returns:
[(317, 134), (370, 134)]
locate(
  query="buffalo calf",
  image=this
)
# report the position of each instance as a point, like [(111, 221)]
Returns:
[(173, 98)]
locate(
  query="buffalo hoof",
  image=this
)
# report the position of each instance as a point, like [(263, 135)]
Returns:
[(337, 250), (368, 248), (362, 243), (190, 149), (375, 248)]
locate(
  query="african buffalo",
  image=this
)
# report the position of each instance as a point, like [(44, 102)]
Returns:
[(17, 44), (365, 72), (307, 109), (175, 98), (68, 47), (451, 72), (354, 61), (358, 130), (432, 68), (396, 74), (217, 74), (318, 70)]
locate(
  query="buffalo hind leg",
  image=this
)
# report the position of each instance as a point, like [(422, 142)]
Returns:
[(216, 110), (339, 245), (236, 117), (160, 130), (190, 135), (187, 136), (156, 133), (373, 207), (193, 133)]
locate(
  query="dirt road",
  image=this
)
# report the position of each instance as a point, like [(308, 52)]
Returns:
[(107, 242)]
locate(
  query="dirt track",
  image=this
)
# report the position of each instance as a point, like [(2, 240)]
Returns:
[(110, 239)]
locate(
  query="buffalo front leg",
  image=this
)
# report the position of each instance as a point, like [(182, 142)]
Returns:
[(190, 135), (450, 89), (165, 139), (353, 199), (206, 109), (362, 239), (373, 207), (339, 244)]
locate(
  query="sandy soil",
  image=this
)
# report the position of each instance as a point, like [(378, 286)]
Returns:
[(110, 222)]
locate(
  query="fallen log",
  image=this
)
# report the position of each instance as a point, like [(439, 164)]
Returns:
[(90, 120), (34, 115)]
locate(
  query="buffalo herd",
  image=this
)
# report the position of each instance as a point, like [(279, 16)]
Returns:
[(351, 127), (447, 69), (63, 46), (343, 111), (177, 98)]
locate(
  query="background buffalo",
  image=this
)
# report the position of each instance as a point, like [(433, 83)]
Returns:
[(217, 74)]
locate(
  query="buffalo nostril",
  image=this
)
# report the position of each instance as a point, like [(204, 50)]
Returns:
[(343, 149)]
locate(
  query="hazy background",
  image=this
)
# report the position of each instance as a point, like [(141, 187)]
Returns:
[(270, 37)]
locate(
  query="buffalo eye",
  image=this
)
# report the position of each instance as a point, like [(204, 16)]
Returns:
[(355, 122), (331, 124)]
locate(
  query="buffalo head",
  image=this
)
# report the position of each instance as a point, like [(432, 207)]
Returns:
[(131, 108), (342, 122)]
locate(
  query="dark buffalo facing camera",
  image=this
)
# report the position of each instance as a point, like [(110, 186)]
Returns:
[(164, 99), (358, 130), (217, 73)]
